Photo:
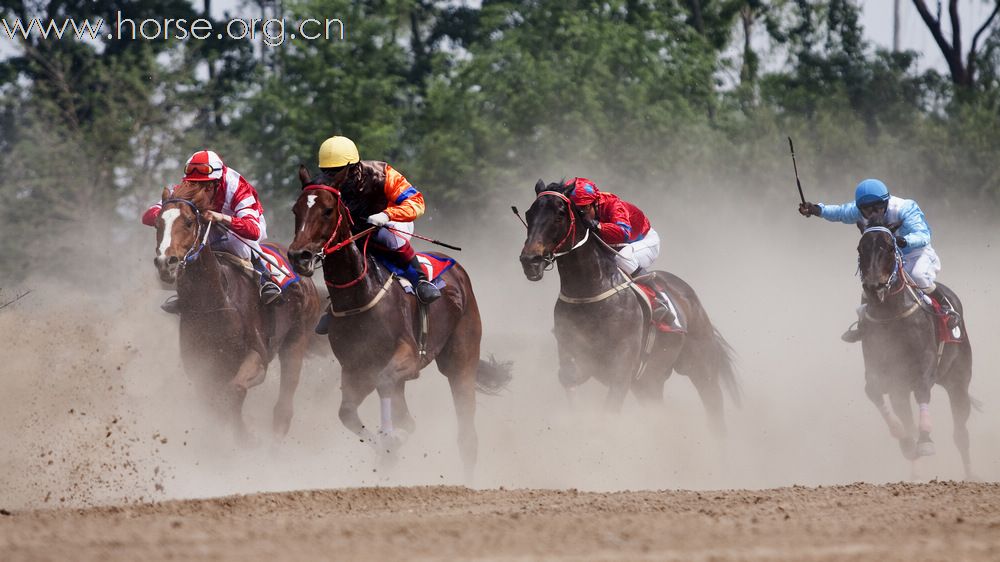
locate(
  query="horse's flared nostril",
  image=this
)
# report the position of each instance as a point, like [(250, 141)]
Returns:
[(173, 260)]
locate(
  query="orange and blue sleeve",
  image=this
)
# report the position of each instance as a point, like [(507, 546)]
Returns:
[(406, 204)]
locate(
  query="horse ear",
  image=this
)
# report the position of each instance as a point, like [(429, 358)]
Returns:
[(165, 195), (304, 176), (539, 186), (861, 226)]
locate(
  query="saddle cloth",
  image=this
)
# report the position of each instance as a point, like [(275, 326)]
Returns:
[(277, 275), (944, 334), (434, 267)]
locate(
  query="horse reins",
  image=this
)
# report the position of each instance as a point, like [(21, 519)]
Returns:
[(328, 249)]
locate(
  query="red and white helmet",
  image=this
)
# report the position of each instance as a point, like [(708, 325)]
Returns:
[(204, 165)]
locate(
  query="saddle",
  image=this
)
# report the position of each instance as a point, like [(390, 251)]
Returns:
[(653, 295), (434, 268)]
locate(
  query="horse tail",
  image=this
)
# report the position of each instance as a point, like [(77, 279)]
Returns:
[(492, 377), (721, 355)]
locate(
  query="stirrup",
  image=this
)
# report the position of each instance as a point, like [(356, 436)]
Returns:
[(427, 292), (853, 333), (269, 292), (172, 305)]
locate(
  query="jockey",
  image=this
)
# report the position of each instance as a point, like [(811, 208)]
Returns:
[(620, 223), (378, 195), (872, 200), (237, 207)]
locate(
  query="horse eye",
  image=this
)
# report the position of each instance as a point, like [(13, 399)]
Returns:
[(328, 212), (189, 222)]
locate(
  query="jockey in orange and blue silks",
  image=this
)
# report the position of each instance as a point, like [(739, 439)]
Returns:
[(377, 194), (237, 206), (619, 223), (920, 261)]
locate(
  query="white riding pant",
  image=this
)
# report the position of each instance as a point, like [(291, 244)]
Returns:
[(640, 253), (221, 240), (923, 267), (391, 238)]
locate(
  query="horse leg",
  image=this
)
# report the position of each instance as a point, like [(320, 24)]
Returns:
[(569, 375), (878, 398), (401, 417), (354, 389), (251, 372), (463, 394), (291, 356), (900, 399), (922, 393), (710, 390), (961, 407)]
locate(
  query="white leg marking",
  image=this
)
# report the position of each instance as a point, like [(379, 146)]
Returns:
[(169, 216)]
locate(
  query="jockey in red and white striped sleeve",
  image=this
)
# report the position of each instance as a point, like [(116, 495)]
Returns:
[(237, 206)]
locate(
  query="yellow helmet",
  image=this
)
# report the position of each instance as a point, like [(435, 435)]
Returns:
[(337, 151)]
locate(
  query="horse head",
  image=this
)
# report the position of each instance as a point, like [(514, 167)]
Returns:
[(878, 257), (321, 219), (178, 226), (552, 228)]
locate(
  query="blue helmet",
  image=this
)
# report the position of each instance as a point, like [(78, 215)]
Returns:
[(870, 191)]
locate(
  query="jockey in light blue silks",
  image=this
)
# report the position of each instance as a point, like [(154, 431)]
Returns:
[(872, 200)]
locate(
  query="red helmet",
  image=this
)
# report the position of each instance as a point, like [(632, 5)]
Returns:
[(204, 165), (583, 192)]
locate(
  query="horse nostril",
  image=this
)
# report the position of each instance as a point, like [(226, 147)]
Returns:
[(173, 260), (305, 255)]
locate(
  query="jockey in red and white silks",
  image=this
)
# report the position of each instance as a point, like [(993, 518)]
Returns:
[(235, 199), (620, 223)]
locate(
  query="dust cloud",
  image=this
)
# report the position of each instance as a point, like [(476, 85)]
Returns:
[(96, 408)]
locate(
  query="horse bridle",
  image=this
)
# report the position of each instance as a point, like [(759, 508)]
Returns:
[(200, 240), (327, 248), (570, 232), (897, 271)]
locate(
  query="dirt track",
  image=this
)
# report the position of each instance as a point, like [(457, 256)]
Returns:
[(936, 521)]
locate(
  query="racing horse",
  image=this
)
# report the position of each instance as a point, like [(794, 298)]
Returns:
[(375, 330), (908, 347), (594, 292), (227, 337)]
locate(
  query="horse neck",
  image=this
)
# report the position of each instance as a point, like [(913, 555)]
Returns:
[(346, 265), (201, 283), (587, 270)]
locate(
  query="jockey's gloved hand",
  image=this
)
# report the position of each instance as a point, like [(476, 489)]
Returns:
[(901, 242), (809, 210), (593, 224), (379, 219)]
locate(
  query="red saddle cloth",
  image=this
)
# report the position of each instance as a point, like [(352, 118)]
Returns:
[(944, 334), (276, 274), (650, 293)]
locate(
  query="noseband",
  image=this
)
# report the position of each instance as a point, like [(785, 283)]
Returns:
[(570, 232)]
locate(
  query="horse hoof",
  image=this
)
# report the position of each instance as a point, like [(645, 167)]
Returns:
[(908, 447), (925, 449)]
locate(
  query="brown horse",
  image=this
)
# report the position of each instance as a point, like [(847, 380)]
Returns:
[(374, 330), (599, 322), (227, 337), (902, 349)]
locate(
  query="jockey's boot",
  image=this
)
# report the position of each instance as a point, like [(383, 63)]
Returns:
[(662, 314), (172, 305), (269, 290), (426, 291), (323, 324), (857, 329), (946, 308)]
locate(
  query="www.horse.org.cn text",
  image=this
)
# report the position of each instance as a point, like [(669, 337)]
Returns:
[(271, 32)]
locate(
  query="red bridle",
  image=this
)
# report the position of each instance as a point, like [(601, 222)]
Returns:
[(327, 248), (571, 231)]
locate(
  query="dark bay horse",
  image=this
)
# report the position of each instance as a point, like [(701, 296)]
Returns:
[(599, 323), (901, 348), (227, 337), (374, 329)]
